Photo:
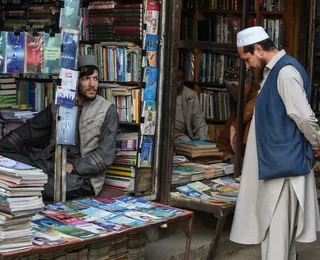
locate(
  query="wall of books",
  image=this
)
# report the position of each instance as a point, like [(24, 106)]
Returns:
[(124, 37)]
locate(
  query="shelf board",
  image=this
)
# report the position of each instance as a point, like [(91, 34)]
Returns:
[(124, 123), (188, 44), (215, 121), (271, 13)]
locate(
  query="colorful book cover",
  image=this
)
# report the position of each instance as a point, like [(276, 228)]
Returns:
[(59, 207), (109, 226), (151, 18), (52, 53), (43, 239), (69, 14), (96, 213), (66, 92), (138, 215), (146, 154), (160, 211), (151, 46), (188, 191), (123, 220), (112, 205), (3, 51), (151, 80), (67, 125), (75, 232), (149, 115), (34, 53), (74, 205), (135, 203), (70, 39), (15, 52), (65, 218)]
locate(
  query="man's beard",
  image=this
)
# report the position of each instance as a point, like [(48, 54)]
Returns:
[(86, 97), (263, 64)]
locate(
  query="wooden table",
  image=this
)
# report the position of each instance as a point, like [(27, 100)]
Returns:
[(219, 212), (187, 215)]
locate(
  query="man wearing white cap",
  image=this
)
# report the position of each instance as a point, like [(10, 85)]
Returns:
[(277, 203), (95, 148)]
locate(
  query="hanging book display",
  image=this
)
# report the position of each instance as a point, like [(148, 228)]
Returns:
[(3, 51), (52, 53), (15, 52), (34, 53)]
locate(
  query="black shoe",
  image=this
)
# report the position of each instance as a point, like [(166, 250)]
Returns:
[(297, 256)]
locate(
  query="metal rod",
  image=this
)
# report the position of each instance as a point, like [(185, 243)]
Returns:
[(57, 166), (63, 174), (240, 104)]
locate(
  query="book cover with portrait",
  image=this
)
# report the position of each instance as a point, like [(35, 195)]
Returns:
[(151, 16), (34, 53), (15, 52)]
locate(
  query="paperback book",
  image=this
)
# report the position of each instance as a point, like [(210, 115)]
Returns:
[(151, 18), (151, 80), (151, 46), (142, 216), (146, 154), (69, 52), (67, 125), (52, 53), (15, 52), (3, 51), (69, 14), (34, 53), (109, 204), (149, 114), (66, 92), (134, 203)]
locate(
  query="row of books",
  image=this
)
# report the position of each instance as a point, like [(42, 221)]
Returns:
[(221, 191), (215, 104), (196, 149), (274, 28), (231, 5)]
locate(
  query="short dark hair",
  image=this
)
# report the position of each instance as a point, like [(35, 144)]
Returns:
[(267, 45), (87, 70)]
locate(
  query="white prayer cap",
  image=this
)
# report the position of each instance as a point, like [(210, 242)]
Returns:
[(251, 35)]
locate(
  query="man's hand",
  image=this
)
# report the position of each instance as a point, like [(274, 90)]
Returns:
[(233, 137), (316, 152), (69, 167)]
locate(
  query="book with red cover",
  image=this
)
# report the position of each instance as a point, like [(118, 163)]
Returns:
[(34, 53)]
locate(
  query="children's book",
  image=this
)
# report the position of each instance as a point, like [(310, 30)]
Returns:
[(151, 80), (52, 53), (149, 116), (151, 46), (151, 16), (67, 125), (15, 52), (69, 52), (146, 154), (66, 92), (3, 51), (34, 53), (69, 14)]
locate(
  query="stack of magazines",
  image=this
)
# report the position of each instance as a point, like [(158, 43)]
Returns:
[(20, 199)]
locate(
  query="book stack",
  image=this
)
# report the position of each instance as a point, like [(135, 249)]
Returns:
[(8, 92), (137, 246), (118, 248), (99, 251), (20, 199), (185, 174), (43, 15), (110, 21), (195, 149)]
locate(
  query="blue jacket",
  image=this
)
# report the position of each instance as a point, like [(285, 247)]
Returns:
[(282, 148)]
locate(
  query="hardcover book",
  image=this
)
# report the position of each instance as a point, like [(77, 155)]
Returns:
[(66, 92), (52, 53), (67, 125), (69, 53), (3, 51), (15, 52), (34, 53), (151, 80)]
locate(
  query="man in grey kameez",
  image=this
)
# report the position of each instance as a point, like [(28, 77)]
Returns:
[(277, 211)]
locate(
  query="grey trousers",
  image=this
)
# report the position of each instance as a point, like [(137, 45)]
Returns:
[(279, 243)]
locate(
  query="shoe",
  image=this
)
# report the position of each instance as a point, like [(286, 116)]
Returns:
[(297, 256)]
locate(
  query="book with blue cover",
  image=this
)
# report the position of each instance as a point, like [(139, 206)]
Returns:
[(3, 51), (66, 129), (52, 53), (151, 80), (134, 203), (146, 154), (114, 206), (151, 46), (15, 52), (70, 39), (69, 14), (66, 92)]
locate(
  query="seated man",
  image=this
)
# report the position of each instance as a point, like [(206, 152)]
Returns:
[(227, 138), (190, 124), (95, 148)]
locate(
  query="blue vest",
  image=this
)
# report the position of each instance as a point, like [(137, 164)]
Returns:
[(282, 149)]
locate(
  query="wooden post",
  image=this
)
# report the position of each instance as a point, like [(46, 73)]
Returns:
[(57, 166)]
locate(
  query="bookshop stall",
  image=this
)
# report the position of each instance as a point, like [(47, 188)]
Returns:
[(40, 43), (196, 175)]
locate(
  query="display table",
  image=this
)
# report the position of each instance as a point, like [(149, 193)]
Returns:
[(219, 212), (187, 215)]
